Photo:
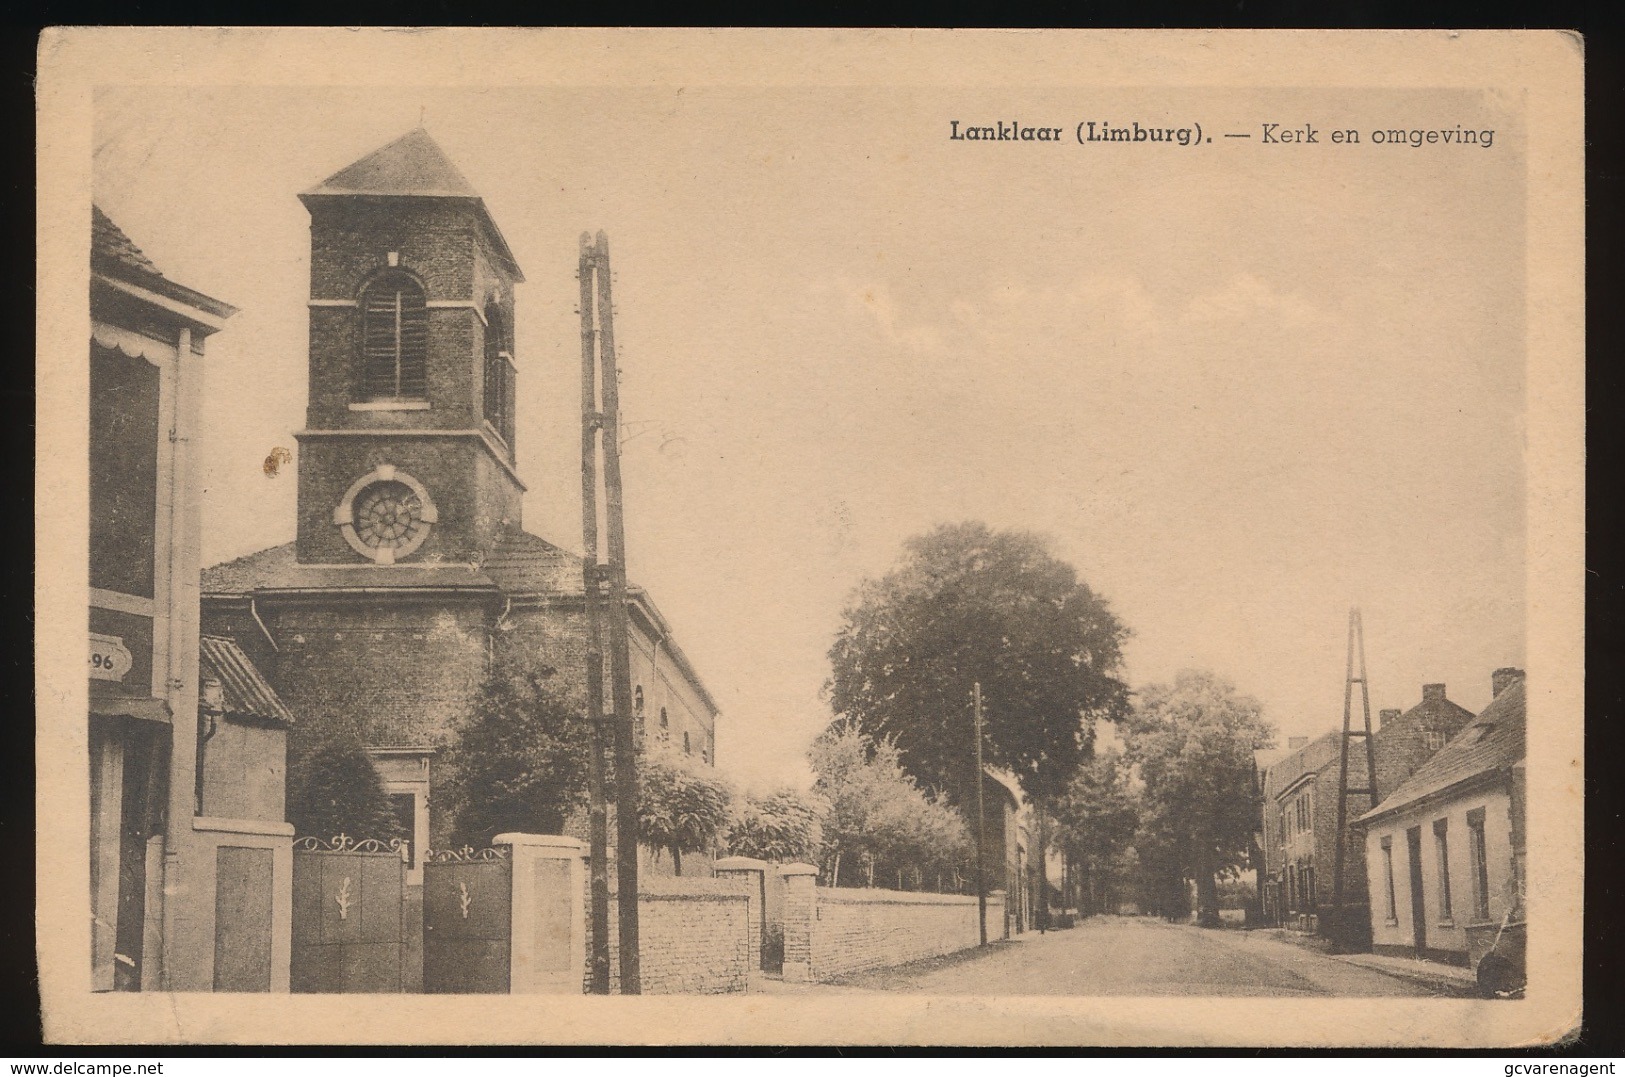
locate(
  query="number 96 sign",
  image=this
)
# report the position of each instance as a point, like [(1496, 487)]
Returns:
[(109, 659)]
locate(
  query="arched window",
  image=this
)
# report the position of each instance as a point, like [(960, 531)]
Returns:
[(686, 749), (665, 723), (637, 701), (394, 339), (499, 376)]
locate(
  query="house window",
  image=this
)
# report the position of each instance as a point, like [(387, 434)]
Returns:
[(1481, 869), (665, 725), (394, 338), (124, 446), (637, 701), (1388, 878), (1433, 740), (1441, 843)]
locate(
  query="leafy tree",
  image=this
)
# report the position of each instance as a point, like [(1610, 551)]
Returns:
[(970, 604), (1095, 821), (1193, 742), (519, 761), (782, 826), (680, 809), (878, 819), (334, 788), (1159, 871)]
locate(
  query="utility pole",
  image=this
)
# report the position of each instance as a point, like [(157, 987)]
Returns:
[(605, 587), (981, 819), (1356, 642), (592, 589), (1041, 910)]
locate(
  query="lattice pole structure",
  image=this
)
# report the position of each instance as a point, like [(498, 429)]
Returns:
[(1356, 650), (606, 598)]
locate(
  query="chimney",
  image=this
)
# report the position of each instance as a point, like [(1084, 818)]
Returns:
[(1432, 691), (1294, 743), (1504, 678), (1386, 716)]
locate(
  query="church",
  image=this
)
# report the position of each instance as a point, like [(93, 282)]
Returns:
[(410, 559)]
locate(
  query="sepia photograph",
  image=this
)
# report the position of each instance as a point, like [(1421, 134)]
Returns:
[(853, 537)]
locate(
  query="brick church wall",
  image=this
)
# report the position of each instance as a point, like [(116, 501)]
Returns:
[(403, 672)]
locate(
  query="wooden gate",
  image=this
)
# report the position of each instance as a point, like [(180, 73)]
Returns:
[(347, 923), (467, 921)]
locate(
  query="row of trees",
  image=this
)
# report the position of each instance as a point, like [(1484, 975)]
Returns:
[(970, 605), (1177, 806), (878, 822)]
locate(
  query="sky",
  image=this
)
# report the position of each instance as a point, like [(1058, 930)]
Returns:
[(1240, 387)]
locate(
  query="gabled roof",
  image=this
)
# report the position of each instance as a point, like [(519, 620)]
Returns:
[(109, 245), (1434, 712), (113, 255), (1494, 741), (412, 166), (278, 569), (1312, 758), (246, 691), (1007, 782), (521, 565)]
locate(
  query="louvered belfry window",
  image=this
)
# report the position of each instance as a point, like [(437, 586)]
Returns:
[(394, 339), (499, 373)]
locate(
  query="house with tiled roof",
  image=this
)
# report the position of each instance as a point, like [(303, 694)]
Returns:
[(1445, 850), (190, 856), (1299, 793), (411, 567)]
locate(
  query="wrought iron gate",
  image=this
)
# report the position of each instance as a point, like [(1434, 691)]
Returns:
[(467, 921), (347, 922)]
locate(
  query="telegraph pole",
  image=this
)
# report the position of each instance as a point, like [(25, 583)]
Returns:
[(981, 819), (601, 435), (592, 590)]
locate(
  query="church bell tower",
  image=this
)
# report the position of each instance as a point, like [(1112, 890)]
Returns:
[(408, 455)]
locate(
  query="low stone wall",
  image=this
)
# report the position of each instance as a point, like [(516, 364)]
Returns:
[(694, 937), (832, 932)]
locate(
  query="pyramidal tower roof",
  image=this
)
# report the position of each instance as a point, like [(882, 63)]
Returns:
[(412, 166)]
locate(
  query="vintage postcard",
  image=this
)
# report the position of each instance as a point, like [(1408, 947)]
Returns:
[(810, 537)]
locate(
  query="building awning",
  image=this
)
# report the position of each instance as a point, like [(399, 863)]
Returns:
[(245, 691), (142, 707)]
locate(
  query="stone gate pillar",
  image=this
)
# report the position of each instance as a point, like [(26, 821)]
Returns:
[(753, 873), (549, 937), (800, 906), (996, 898)]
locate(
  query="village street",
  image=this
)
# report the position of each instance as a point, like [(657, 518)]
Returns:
[(1120, 955)]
